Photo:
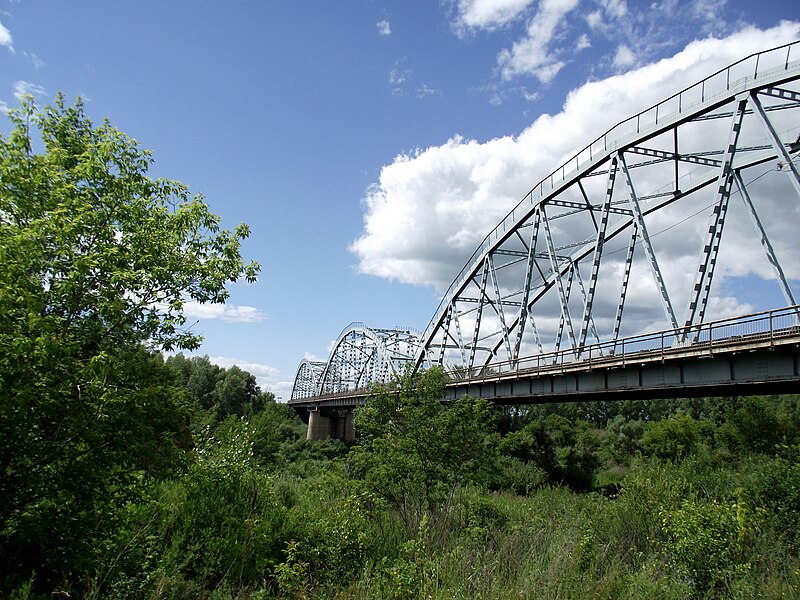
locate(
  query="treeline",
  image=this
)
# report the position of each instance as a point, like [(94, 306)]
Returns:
[(628, 499)]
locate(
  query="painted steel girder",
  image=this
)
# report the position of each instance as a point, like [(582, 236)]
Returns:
[(307, 379)]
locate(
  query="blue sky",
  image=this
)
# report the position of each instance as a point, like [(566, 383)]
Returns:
[(336, 129)]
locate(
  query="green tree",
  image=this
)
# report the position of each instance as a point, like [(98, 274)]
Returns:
[(223, 391), (672, 438), (415, 451), (198, 375), (757, 425), (235, 392), (97, 261)]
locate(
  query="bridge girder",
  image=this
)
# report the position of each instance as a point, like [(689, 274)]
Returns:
[(306, 381)]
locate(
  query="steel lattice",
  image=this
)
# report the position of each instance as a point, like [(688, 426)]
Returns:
[(360, 356)]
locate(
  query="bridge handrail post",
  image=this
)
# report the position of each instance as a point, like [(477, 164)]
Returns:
[(771, 328), (710, 338)]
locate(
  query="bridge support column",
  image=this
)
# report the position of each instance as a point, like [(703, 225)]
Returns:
[(348, 433), (319, 427), (336, 425)]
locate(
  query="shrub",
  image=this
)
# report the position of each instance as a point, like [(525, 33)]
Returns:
[(703, 543), (672, 438)]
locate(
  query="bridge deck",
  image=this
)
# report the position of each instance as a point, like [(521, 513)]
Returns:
[(757, 353)]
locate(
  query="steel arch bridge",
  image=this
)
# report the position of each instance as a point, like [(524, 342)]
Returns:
[(361, 356), (555, 274)]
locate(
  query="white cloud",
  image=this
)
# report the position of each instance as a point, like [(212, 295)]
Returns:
[(556, 31), (488, 14), (532, 55), (431, 208), (583, 43), (26, 88), (5, 38), (314, 358), (531, 96), (398, 76), (384, 28), (425, 90), (707, 10), (37, 62), (400, 73), (594, 19), (268, 378), (615, 8), (624, 57), (225, 312)]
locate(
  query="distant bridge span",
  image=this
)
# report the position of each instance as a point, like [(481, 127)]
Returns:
[(549, 303)]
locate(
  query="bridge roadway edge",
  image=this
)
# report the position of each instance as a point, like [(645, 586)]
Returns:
[(762, 367)]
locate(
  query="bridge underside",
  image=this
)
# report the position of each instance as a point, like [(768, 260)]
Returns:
[(765, 370)]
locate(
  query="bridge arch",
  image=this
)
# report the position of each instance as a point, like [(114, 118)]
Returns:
[(556, 271), (307, 379), (360, 356)]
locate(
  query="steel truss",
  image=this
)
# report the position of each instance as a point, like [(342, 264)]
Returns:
[(360, 357), (306, 382), (559, 268)]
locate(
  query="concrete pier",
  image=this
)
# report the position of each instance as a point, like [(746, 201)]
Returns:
[(324, 424)]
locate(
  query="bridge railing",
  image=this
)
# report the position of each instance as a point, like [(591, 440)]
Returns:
[(734, 77), (723, 334), (716, 336)]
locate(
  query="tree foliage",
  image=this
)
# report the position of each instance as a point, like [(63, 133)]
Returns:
[(98, 260), (414, 451), (224, 392)]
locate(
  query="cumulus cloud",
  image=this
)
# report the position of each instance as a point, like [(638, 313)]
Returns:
[(384, 28), (430, 208), (225, 312), (5, 38)]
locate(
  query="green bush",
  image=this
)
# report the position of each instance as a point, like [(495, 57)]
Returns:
[(672, 438), (703, 544), (519, 477), (758, 425), (218, 525), (776, 490)]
